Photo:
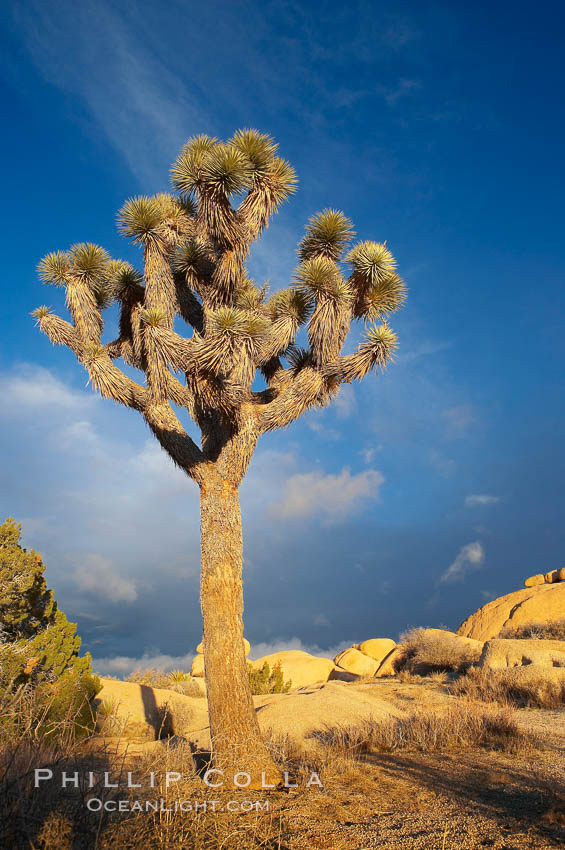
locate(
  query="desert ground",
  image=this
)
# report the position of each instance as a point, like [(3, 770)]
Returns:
[(442, 740)]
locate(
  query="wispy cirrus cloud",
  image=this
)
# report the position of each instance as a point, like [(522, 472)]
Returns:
[(469, 557), (142, 106), (480, 499)]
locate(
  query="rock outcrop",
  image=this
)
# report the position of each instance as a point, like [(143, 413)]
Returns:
[(535, 604), (354, 661), (142, 713), (388, 666), (499, 654), (298, 666), (305, 715), (552, 577), (197, 668), (377, 648), (532, 581)]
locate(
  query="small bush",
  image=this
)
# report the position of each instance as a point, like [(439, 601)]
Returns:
[(267, 681), (426, 730), (194, 687), (520, 687), (177, 680), (153, 678), (428, 651), (536, 631)]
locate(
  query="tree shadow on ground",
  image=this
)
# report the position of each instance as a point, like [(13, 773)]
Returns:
[(495, 786), (158, 717)]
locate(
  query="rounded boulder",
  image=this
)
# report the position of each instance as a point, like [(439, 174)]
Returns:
[(533, 581), (377, 648), (541, 604), (299, 667), (354, 661)]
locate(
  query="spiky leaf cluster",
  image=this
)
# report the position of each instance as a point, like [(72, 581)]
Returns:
[(327, 235)]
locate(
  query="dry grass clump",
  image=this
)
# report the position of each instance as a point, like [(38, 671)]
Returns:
[(427, 651), (536, 631), (177, 680), (471, 725), (520, 687)]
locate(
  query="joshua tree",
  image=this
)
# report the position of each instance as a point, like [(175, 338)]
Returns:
[(195, 244)]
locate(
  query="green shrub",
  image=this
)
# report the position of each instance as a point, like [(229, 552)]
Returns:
[(267, 681), (40, 666), (37, 642)]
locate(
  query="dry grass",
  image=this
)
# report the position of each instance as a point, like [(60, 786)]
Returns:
[(507, 687), (427, 651), (157, 678), (52, 819), (470, 725), (177, 680), (536, 631)]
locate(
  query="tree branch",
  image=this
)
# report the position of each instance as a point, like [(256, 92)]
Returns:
[(306, 389), (174, 439)]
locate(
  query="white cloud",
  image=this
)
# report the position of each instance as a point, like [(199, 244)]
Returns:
[(258, 650), (97, 575), (422, 349), (345, 402), (123, 665), (469, 557), (31, 388), (331, 496), (480, 499)]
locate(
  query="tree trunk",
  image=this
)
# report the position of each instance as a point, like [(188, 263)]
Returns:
[(237, 745)]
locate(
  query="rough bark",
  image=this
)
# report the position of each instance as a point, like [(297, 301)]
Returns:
[(237, 745)]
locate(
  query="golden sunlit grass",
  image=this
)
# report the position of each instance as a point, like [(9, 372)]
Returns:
[(520, 687)]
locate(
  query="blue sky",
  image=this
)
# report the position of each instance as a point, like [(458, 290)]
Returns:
[(420, 494)]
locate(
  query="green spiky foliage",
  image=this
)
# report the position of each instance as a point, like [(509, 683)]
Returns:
[(37, 642), (268, 681), (201, 332)]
